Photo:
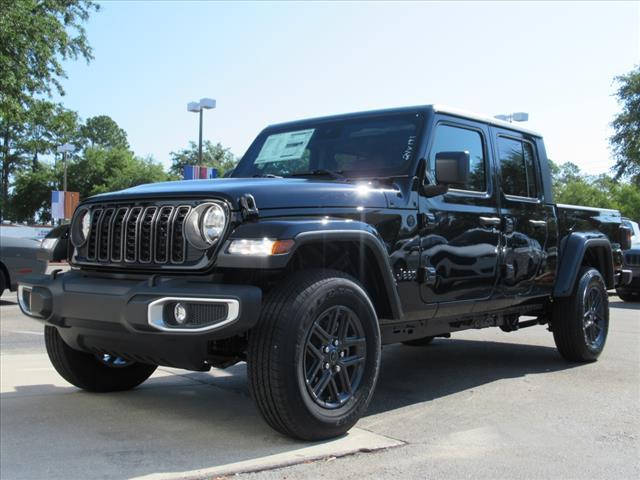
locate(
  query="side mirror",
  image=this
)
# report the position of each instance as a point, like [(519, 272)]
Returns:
[(452, 168)]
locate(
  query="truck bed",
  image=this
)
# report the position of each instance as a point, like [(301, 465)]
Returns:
[(575, 218)]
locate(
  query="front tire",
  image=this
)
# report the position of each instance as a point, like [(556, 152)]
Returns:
[(91, 372), (580, 322), (314, 356)]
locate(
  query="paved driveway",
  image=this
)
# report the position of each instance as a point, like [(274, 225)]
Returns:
[(483, 404)]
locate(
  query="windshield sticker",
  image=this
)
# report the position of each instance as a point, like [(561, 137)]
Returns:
[(282, 147)]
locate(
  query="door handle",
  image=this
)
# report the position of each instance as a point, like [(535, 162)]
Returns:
[(490, 221), (538, 223)]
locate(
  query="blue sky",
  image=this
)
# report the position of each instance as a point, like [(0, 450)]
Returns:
[(267, 62)]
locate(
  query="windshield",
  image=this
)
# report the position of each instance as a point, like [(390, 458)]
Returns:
[(380, 146)]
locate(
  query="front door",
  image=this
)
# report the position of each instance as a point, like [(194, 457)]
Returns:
[(461, 232)]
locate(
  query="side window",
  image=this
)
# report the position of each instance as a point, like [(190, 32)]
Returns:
[(517, 165), (458, 139)]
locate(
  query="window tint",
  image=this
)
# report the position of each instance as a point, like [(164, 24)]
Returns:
[(517, 164), (456, 139)]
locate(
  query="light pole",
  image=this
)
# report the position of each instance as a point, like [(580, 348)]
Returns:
[(63, 149), (198, 107), (514, 117)]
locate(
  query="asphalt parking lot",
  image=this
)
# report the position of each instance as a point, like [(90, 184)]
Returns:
[(482, 404)]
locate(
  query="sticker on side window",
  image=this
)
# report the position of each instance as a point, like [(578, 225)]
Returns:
[(282, 147)]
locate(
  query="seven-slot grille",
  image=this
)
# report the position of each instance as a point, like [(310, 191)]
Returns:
[(137, 234)]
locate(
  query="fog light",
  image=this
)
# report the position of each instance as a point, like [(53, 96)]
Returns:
[(180, 314)]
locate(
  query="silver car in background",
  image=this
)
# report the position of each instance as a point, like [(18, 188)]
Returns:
[(18, 258)]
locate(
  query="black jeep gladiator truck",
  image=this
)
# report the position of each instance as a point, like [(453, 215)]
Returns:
[(332, 237)]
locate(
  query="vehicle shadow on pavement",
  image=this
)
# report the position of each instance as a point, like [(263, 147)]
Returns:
[(411, 374)]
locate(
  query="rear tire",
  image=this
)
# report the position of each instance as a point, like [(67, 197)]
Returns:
[(88, 372), (580, 322), (418, 342), (314, 356)]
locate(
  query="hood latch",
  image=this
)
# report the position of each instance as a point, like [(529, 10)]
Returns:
[(248, 207)]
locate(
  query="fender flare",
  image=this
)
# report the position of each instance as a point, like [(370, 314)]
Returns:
[(305, 231), (574, 248), (374, 244)]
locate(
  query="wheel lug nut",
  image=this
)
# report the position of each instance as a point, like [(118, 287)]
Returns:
[(335, 343), (341, 354), (326, 366), (337, 368), (326, 349)]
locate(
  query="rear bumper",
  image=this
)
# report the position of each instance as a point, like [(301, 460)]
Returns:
[(126, 317)]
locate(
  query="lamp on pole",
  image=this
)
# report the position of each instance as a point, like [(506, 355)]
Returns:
[(198, 107), (514, 117), (63, 149)]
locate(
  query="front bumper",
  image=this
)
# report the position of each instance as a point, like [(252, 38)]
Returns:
[(124, 316), (624, 277)]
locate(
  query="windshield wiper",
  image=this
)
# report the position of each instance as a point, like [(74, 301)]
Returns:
[(334, 174), (266, 175)]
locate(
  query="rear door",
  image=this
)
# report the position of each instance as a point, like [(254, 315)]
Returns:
[(525, 216)]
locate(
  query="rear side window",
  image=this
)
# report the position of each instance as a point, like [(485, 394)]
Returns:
[(517, 164), (458, 139)]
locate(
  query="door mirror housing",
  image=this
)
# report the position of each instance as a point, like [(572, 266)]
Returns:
[(452, 168)]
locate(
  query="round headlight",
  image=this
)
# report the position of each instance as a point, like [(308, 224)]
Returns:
[(213, 223), (205, 225), (80, 227)]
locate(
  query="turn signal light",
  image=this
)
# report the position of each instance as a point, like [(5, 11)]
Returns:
[(260, 247)]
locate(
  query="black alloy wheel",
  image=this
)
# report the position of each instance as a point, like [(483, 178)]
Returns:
[(594, 322), (112, 361), (335, 354)]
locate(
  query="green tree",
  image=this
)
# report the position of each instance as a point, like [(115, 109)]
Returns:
[(36, 37), (48, 126), (212, 156), (625, 141), (31, 196), (97, 171), (572, 186), (104, 170), (103, 131), (45, 126)]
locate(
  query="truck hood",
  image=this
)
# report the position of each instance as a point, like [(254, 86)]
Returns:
[(268, 192)]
